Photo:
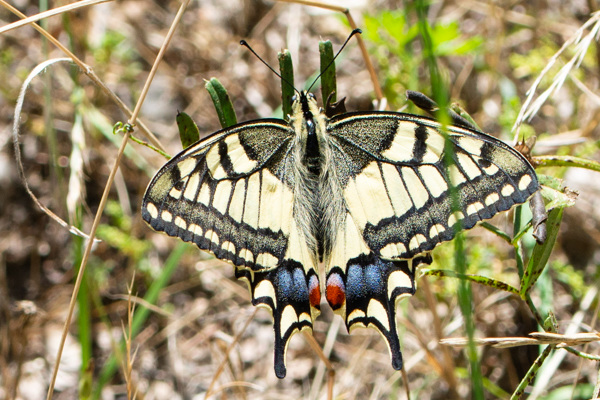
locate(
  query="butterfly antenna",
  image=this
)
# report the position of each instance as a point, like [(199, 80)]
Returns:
[(245, 44), (354, 32)]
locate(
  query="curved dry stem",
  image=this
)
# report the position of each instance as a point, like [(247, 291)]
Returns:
[(17, 146)]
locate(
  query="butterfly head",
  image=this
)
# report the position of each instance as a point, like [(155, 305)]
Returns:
[(305, 104)]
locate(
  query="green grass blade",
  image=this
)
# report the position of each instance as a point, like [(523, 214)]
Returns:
[(465, 299)]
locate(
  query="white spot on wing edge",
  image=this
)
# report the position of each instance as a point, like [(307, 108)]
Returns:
[(247, 255), (392, 250), (212, 236), (166, 216), (195, 229), (455, 217), (524, 182), (356, 314), (416, 241), (474, 208), (152, 210), (180, 222), (228, 246), (305, 317), (492, 198), (436, 230), (267, 260), (507, 190)]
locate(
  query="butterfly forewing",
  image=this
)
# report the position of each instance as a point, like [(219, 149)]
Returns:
[(399, 171)]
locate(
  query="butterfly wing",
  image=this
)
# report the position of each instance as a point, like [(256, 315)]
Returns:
[(232, 194), (406, 188)]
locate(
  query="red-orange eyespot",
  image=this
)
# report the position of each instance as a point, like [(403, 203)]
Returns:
[(314, 292), (335, 291)]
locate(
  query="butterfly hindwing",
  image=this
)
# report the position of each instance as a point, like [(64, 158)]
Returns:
[(232, 194)]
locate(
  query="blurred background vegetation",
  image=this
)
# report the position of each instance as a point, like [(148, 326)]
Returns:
[(489, 55)]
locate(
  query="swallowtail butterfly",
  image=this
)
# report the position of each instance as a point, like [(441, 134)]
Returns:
[(352, 203)]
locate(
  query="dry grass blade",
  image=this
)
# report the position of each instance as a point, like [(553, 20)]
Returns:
[(537, 338), (49, 13), (128, 335), (582, 43)]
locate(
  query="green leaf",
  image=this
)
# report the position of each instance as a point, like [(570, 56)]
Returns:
[(188, 130), (222, 103), (286, 68), (541, 253)]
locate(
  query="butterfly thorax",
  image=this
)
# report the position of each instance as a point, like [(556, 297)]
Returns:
[(314, 178)]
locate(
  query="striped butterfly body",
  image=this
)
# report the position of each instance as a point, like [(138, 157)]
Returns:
[(353, 203)]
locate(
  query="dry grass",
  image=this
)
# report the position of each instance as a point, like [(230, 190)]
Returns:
[(203, 333)]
